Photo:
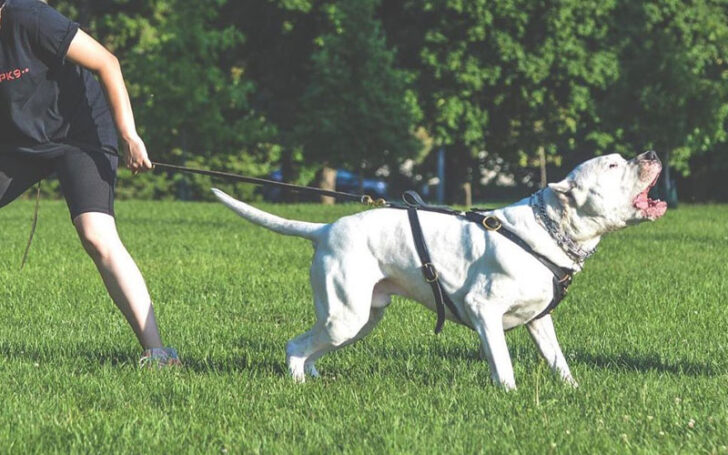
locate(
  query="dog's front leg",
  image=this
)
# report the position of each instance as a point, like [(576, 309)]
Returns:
[(543, 334), (489, 325)]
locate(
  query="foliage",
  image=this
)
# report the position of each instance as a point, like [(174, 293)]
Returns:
[(296, 83), (356, 110), (672, 94), (191, 99), (507, 77)]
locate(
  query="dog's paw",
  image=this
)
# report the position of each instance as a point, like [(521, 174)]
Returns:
[(571, 382), (505, 384), (508, 387), (296, 368)]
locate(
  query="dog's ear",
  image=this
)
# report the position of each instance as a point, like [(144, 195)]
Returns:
[(563, 186)]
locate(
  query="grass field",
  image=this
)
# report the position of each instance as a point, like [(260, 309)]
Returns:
[(645, 329)]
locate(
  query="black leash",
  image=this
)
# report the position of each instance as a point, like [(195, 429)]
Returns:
[(363, 198)]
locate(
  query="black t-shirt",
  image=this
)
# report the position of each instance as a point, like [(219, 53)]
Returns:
[(45, 99)]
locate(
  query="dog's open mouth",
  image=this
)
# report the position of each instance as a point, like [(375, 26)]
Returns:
[(652, 209)]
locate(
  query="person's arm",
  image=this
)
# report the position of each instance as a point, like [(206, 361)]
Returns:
[(89, 53)]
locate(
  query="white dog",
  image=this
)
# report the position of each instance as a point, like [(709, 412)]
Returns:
[(361, 260)]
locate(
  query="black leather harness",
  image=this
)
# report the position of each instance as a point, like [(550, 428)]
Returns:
[(562, 276)]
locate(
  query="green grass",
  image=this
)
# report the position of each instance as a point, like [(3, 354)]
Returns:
[(644, 329)]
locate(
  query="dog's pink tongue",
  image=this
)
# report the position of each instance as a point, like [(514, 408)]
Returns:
[(642, 202), (657, 210), (651, 208)]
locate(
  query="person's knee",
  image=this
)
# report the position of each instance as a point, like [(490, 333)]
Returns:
[(98, 240)]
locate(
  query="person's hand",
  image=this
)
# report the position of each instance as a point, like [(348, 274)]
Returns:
[(135, 154)]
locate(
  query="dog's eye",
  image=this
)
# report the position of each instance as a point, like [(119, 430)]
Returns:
[(613, 165)]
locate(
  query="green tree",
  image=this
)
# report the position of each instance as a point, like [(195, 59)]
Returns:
[(191, 99), (356, 110), (280, 39), (513, 78), (672, 92)]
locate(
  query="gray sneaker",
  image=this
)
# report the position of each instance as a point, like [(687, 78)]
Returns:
[(159, 358)]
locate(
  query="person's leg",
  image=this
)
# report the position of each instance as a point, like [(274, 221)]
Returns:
[(120, 274), (87, 180)]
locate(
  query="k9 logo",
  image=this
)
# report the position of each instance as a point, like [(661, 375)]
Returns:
[(13, 74)]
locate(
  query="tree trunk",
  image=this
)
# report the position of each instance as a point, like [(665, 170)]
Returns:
[(457, 171), (288, 175), (668, 183), (328, 182), (468, 193)]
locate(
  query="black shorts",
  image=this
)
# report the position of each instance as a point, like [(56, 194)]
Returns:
[(87, 177)]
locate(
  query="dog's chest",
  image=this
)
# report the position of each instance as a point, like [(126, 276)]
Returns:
[(523, 311), (522, 298)]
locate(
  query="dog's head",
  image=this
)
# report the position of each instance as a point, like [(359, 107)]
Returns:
[(612, 192)]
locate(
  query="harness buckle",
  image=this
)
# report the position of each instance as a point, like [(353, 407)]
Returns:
[(430, 272), (492, 223)]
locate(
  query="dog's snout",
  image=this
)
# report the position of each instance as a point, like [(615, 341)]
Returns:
[(649, 156)]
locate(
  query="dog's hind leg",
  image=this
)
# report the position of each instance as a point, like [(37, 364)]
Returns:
[(325, 336), (375, 315), (343, 304), (300, 348)]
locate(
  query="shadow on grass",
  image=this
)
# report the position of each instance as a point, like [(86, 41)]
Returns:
[(235, 365), (644, 364), (122, 358), (268, 359), (206, 223), (56, 355)]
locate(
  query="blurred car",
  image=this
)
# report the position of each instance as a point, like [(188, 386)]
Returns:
[(346, 181)]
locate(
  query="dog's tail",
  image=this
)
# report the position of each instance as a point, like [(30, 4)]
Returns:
[(274, 223)]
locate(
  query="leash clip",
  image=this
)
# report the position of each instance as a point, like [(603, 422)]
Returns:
[(371, 202)]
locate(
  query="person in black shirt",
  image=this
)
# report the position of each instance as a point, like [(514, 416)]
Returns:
[(55, 117)]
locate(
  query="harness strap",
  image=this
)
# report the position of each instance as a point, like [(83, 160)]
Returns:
[(562, 276), (430, 272), (412, 199)]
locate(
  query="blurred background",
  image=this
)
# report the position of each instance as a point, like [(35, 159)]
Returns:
[(464, 100)]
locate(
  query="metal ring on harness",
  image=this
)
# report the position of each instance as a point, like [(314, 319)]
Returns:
[(430, 272), (367, 200), (492, 227)]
